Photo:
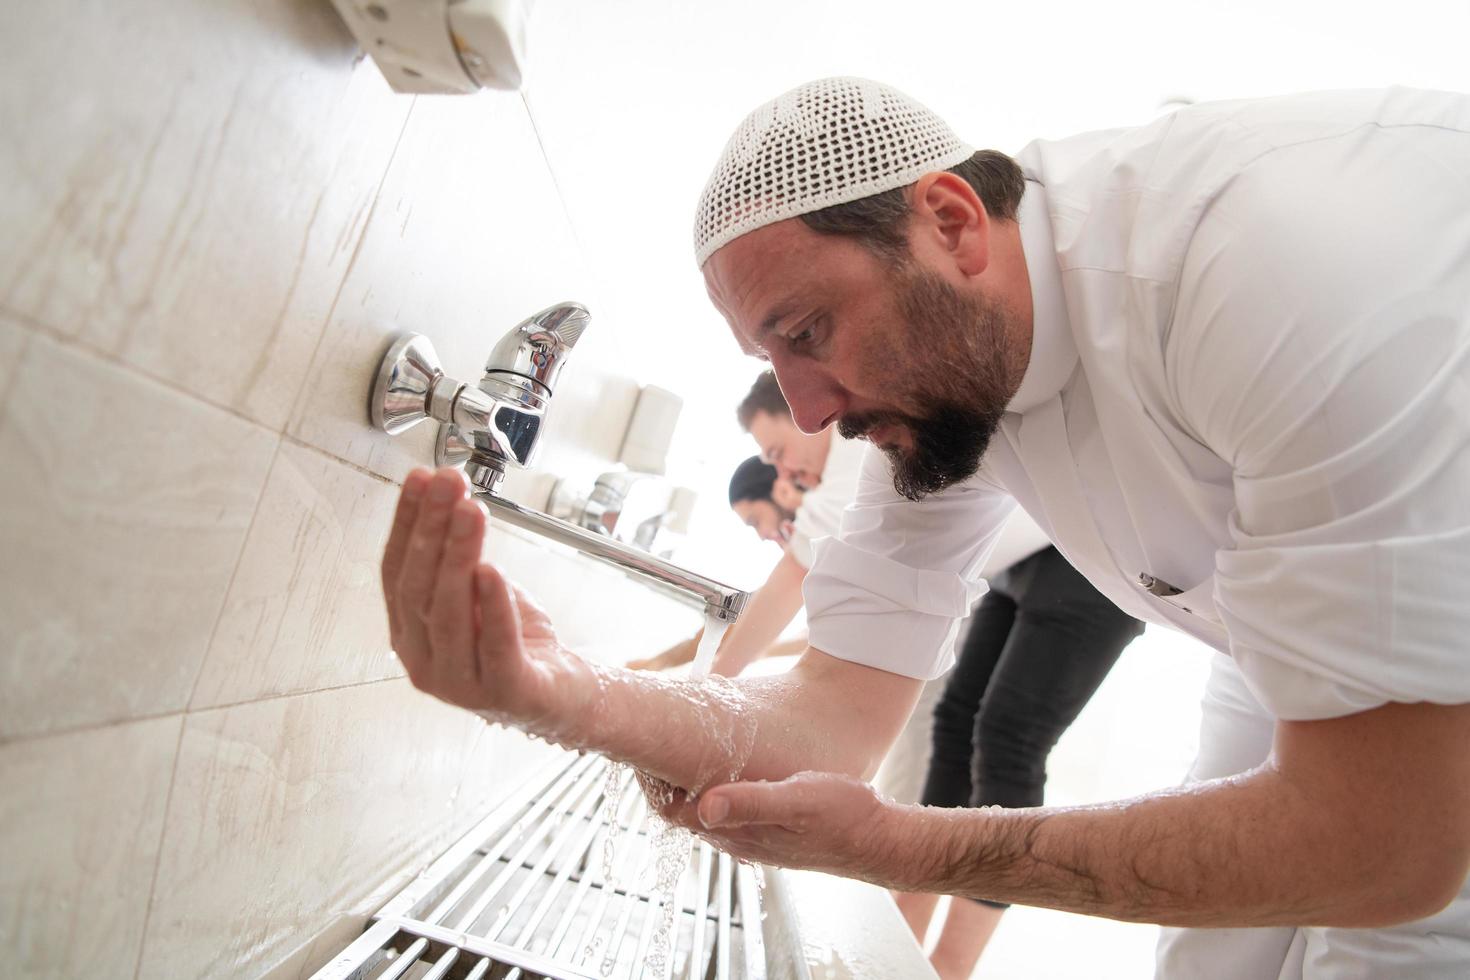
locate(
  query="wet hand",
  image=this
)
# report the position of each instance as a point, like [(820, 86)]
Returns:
[(813, 820), (465, 634)]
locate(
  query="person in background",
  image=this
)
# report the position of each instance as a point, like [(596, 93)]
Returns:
[(767, 504), (1035, 650), (824, 467), (753, 499)]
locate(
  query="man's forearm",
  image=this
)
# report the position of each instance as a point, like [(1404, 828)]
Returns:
[(1249, 851), (694, 734)]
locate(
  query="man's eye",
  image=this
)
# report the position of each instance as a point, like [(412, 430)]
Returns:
[(805, 337)]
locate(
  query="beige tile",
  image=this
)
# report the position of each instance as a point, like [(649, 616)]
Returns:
[(13, 339), (123, 507), (305, 610), (79, 823), (468, 238), (191, 183), (290, 812)]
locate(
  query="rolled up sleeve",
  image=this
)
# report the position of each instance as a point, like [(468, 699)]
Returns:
[(891, 588), (1321, 345)]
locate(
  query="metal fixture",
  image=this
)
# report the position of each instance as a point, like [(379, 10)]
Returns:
[(525, 895), (498, 423), (721, 601), (501, 419)]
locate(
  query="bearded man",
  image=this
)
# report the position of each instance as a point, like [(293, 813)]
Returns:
[(1223, 361)]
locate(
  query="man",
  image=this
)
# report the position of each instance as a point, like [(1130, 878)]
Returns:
[(825, 468), (753, 499), (754, 487), (1222, 360)]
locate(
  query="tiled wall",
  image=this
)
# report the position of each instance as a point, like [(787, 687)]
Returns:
[(212, 218)]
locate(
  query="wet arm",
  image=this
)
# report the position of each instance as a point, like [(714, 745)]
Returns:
[(1358, 821)]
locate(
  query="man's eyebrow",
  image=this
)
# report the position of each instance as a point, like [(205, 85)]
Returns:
[(774, 318)]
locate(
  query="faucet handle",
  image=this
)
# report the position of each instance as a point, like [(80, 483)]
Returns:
[(537, 347)]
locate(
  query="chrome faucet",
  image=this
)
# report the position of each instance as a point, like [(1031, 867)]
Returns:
[(498, 423), (502, 417)]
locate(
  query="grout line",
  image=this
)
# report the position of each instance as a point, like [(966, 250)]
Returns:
[(224, 600), (333, 457), (297, 694), (168, 799), (185, 712), (110, 358), (10, 740)]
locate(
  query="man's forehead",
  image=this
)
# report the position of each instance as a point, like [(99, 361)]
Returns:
[(754, 280)]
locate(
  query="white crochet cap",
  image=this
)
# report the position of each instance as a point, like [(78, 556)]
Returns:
[(827, 142)]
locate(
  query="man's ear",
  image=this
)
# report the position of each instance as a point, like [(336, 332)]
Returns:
[(950, 218)]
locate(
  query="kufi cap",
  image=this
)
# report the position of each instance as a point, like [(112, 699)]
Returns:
[(827, 142)]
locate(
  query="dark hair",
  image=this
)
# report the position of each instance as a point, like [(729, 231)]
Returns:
[(752, 480), (764, 396), (881, 220)]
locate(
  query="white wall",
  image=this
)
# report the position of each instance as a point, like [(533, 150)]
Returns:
[(212, 217)]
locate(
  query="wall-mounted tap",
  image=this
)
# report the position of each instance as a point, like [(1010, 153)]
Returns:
[(498, 423), (501, 418)]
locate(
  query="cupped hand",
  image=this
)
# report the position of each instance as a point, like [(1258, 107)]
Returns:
[(465, 634), (817, 821)]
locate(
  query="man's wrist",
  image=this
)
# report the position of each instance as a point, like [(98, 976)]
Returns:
[(910, 846)]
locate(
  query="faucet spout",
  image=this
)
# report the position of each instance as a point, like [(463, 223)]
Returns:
[(716, 599), (498, 422)]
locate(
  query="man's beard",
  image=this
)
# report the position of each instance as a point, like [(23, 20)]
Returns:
[(958, 345)]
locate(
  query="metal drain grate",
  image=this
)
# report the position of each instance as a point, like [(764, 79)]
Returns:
[(522, 896)]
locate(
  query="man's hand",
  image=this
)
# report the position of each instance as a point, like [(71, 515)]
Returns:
[(464, 634), (816, 821)]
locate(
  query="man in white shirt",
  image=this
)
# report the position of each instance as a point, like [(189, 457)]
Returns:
[(1222, 361), (826, 468)]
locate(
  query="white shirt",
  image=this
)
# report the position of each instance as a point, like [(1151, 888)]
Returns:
[(1250, 378), (820, 513)]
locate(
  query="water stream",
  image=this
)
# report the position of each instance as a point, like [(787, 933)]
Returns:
[(709, 645)]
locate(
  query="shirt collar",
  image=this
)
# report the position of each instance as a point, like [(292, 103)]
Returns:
[(1053, 351)]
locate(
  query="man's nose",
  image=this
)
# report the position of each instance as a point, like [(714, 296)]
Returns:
[(815, 400)]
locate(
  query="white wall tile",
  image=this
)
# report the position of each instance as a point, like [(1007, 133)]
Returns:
[(191, 183), (291, 811), (123, 507), (80, 823), (468, 238), (305, 609)]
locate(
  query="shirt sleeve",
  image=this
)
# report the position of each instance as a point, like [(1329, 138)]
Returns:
[(890, 589), (1321, 345)]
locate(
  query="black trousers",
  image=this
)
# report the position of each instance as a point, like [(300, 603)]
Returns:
[(1039, 644)]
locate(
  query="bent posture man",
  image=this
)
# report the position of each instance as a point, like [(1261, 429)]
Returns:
[(1222, 361)]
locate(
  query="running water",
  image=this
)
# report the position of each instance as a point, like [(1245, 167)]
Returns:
[(670, 845), (709, 645), (612, 797)]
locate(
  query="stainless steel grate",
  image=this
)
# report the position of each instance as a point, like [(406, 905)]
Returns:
[(523, 896)]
